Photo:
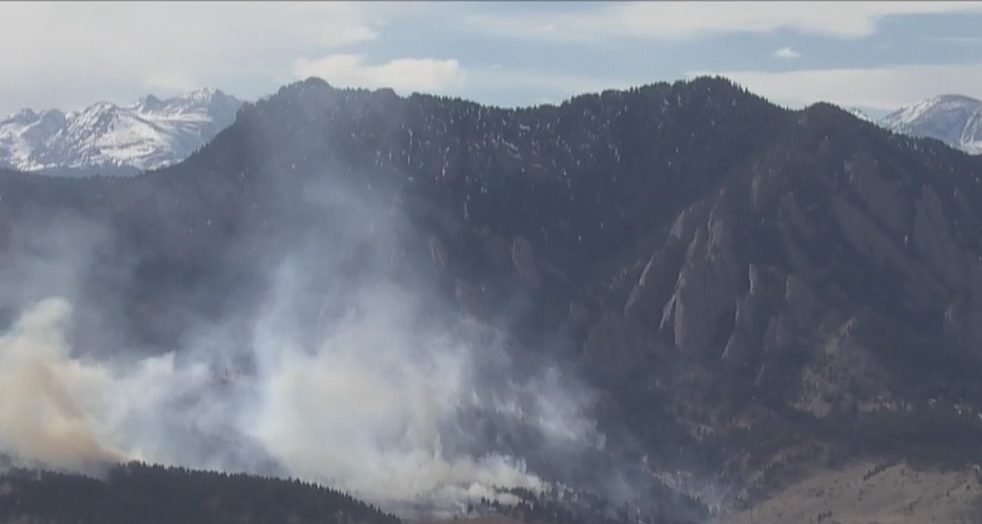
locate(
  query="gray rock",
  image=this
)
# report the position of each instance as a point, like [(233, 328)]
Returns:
[(705, 289), (654, 286)]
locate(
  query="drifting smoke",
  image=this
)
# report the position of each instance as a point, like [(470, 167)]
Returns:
[(45, 397), (356, 412), (358, 380)]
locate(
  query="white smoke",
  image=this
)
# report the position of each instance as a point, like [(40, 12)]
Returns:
[(350, 374), (47, 399), (363, 408)]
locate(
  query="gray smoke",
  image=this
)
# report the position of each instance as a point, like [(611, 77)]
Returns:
[(46, 398), (352, 374)]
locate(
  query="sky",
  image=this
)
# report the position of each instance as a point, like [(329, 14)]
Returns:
[(877, 55)]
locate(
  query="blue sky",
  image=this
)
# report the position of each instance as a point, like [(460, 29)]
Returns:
[(876, 55)]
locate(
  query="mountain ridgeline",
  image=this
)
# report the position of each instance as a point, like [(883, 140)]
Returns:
[(953, 119), (155, 494), (750, 290), (112, 140)]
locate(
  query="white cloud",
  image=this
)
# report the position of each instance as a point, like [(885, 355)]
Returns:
[(683, 20), (786, 52), (332, 24), (405, 75), (67, 55), (70, 54), (879, 87)]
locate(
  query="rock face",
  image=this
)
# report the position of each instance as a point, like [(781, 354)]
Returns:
[(704, 291), (805, 276)]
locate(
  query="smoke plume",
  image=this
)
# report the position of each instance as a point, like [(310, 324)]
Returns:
[(361, 378)]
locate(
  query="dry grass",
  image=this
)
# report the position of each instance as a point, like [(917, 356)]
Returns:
[(871, 493)]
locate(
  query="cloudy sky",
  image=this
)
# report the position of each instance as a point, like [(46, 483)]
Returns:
[(877, 55)]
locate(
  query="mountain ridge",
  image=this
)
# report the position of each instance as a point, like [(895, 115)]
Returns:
[(112, 139), (954, 119)]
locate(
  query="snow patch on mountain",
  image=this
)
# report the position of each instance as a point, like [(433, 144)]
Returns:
[(953, 119), (111, 139), (860, 114)]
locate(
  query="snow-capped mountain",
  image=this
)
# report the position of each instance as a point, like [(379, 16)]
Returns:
[(117, 140), (860, 114), (953, 119)]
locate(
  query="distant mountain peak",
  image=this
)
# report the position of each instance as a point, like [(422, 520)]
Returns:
[(149, 103), (954, 119), (203, 93), (26, 114), (956, 98), (112, 139)]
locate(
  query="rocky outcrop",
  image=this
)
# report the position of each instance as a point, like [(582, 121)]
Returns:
[(658, 279), (705, 290), (654, 286), (843, 376), (751, 318), (688, 221)]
